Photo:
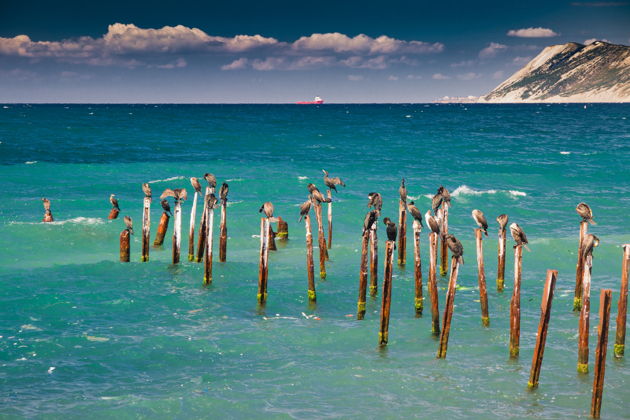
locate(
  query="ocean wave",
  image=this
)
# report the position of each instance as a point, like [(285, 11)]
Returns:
[(173, 178), (465, 190), (565, 153), (30, 162), (234, 180), (231, 203), (74, 220), (301, 178)]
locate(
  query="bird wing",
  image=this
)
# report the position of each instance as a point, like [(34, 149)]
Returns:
[(167, 193)]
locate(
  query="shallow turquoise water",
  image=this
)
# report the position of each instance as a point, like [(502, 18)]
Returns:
[(84, 335)]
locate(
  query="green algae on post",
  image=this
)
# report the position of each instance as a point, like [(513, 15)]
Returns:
[(605, 299), (543, 327), (583, 325), (283, 229)]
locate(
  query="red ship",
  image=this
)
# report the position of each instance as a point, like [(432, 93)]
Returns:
[(316, 101)]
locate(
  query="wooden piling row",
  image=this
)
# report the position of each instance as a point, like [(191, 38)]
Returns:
[(383, 334), (481, 279), (543, 327), (191, 229), (363, 275), (515, 303), (444, 248), (605, 298), (501, 260), (323, 254), (402, 232), (223, 232), (310, 270), (417, 269), (146, 229), (432, 284), (264, 258), (448, 309), (622, 307), (161, 231), (124, 246), (374, 259), (583, 326), (577, 299), (330, 218)]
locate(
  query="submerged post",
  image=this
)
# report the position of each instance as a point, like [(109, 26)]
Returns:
[(262, 265), (622, 307), (583, 326), (432, 284), (448, 309), (383, 334), (283, 229), (330, 219), (210, 205), (444, 248), (146, 222), (323, 255), (502, 219), (605, 299), (363, 275), (310, 270), (124, 245), (481, 279), (579, 271), (515, 303), (48, 216), (374, 260), (543, 327), (402, 232), (161, 231), (417, 268)]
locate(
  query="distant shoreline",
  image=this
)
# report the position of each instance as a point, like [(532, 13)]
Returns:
[(302, 106)]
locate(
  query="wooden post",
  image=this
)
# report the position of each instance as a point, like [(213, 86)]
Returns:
[(146, 229), (48, 216), (417, 268), (283, 229), (481, 279), (207, 278), (191, 229), (162, 228), (515, 304), (583, 326), (577, 299), (501, 262), (223, 232), (448, 309), (444, 231), (113, 213), (330, 222), (177, 231), (323, 255), (402, 233), (387, 292), (363, 276), (374, 259), (124, 246), (543, 327), (203, 230), (310, 270), (432, 284), (262, 265), (620, 338), (605, 298), (272, 239)]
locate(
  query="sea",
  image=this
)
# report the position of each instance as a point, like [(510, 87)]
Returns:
[(83, 335)]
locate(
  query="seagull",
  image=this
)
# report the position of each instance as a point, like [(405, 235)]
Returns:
[(212, 180), (411, 208), (331, 183), (519, 236), (223, 192), (590, 241), (375, 200), (391, 230), (166, 207), (481, 221), (305, 207), (585, 211), (502, 219), (267, 207), (403, 191), (129, 224), (432, 222), (195, 184), (369, 220), (114, 201), (316, 194), (456, 248), (146, 189)]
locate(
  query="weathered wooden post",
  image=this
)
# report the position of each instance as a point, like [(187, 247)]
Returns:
[(444, 231), (146, 222), (330, 219), (113, 213), (223, 195), (515, 303), (448, 309), (583, 326), (417, 268), (331, 183), (179, 195), (605, 298), (502, 219), (543, 327), (622, 307), (321, 239), (163, 225), (48, 216), (363, 274), (579, 271), (481, 279), (262, 265), (193, 218), (310, 271), (383, 334), (283, 229), (210, 205), (201, 243), (432, 284), (125, 240), (374, 260), (402, 232), (272, 239)]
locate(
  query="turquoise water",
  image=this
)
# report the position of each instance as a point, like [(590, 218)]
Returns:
[(84, 335)]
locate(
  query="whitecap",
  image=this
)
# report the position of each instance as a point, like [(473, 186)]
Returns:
[(565, 153), (517, 193), (416, 197), (231, 203), (173, 178), (51, 369), (30, 162), (255, 236), (466, 190), (234, 180), (301, 178), (30, 327), (407, 116)]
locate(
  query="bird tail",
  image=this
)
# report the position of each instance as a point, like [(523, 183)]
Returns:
[(527, 248), (592, 222), (131, 230), (485, 231), (460, 259), (300, 219)]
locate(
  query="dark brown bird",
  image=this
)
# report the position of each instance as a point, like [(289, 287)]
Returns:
[(146, 189), (480, 219), (456, 248), (590, 241), (212, 180), (502, 219), (267, 207), (433, 224), (211, 201), (332, 182), (446, 196), (376, 201), (166, 206), (415, 213), (195, 184), (305, 207), (114, 201), (370, 219), (519, 236), (46, 203), (402, 190), (223, 192), (391, 230), (436, 202), (316, 194), (128, 224), (586, 213)]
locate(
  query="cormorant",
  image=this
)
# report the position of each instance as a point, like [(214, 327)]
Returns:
[(129, 224), (519, 236), (332, 182), (456, 248), (114, 201), (481, 221), (586, 213)]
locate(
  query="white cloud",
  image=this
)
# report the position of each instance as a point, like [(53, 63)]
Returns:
[(440, 76), (177, 64), (392, 78), (362, 43), (238, 64), (468, 76), (355, 77), (269, 63), (521, 61), (492, 50), (532, 33), (591, 40), (414, 77)]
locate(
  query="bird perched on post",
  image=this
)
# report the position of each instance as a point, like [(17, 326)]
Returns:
[(166, 206), (480, 219), (391, 230), (502, 219), (590, 241), (519, 236), (305, 207), (114, 201), (332, 182), (146, 189), (436, 202), (211, 202), (316, 194), (223, 192), (46, 203), (212, 180), (267, 207), (586, 213), (195, 184), (432, 222), (415, 213), (446, 196), (456, 248), (369, 220), (402, 190), (376, 201), (128, 224), (178, 194)]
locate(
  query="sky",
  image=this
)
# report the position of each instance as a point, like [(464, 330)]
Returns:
[(282, 51)]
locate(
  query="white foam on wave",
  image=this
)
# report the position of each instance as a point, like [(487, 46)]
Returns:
[(231, 203), (30, 162), (173, 178), (301, 178), (234, 180), (74, 220), (466, 190), (565, 153), (517, 193)]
